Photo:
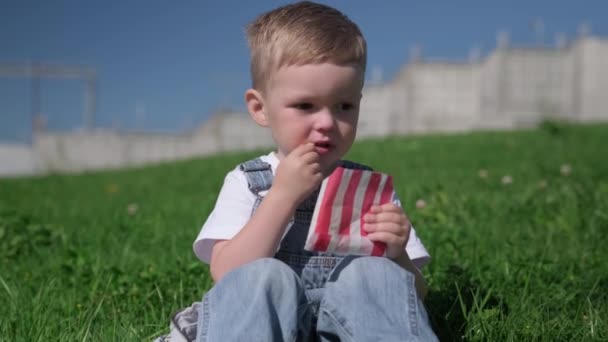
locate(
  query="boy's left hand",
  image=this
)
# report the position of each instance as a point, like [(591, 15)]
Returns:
[(387, 223)]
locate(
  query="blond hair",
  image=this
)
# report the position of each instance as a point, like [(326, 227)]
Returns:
[(302, 33)]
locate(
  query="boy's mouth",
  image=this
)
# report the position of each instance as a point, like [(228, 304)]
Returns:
[(323, 147)]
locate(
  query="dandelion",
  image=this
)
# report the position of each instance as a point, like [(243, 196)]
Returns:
[(542, 184), (506, 180), (483, 173), (132, 209), (565, 169), (420, 204), (111, 188)]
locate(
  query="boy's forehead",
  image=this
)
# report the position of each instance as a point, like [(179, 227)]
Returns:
[(319, 76)]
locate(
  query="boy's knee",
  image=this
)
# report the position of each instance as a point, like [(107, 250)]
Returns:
[(271, 268), (266, 273)]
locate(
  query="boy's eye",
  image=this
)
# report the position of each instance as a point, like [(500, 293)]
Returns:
[(346, 106), (303, 106)]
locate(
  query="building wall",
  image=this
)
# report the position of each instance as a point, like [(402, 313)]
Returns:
[(512, 87), (18, 159), (109, 149), (594, 80), (537, 83), (442, 96), (375, 111)]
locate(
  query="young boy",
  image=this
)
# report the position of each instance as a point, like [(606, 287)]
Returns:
[(307, 65)]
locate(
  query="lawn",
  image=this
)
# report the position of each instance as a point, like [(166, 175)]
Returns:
[(516, 223)]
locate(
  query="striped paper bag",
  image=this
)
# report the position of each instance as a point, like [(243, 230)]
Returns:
[(337, 222)]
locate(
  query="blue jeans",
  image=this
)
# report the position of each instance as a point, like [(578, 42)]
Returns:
[(315, 298)]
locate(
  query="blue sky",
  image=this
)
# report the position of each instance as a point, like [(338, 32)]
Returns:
[(166, 66)]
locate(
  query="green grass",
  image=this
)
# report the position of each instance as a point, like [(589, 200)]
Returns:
[(518, 261)]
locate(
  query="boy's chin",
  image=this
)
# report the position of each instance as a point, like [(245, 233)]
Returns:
[(328, 166)]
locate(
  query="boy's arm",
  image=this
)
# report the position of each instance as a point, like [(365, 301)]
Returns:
[(388, 224), (297, 176), (259, 238)]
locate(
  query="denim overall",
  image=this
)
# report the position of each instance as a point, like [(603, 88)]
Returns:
[(307, 296)]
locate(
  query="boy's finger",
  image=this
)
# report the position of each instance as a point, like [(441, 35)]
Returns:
[(386, 217), (392, 228), (391, 207), (310, 157), (303, 149), (399, 228), (375, 209), (383, 217), (387, 238), (387, 207)]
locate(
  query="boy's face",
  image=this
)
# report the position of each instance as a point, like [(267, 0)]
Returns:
[(316, 103)]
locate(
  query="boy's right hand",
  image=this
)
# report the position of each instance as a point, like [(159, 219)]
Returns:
[(298, 174)]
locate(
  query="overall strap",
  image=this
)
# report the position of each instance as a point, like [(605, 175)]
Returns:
[(259, 175), (259, 178)]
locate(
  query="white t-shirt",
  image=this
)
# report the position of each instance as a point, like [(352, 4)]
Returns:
[(233, 210)]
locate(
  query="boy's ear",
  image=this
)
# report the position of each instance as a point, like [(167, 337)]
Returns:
[(255, 106)]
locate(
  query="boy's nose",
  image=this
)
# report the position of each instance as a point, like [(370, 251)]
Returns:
[(324, 120)]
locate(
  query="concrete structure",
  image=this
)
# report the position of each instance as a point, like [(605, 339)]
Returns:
[(86, 150), (512, 87), (18, 159)]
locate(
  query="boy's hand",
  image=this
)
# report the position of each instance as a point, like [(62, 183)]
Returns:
[(299, 173), (388, 224)]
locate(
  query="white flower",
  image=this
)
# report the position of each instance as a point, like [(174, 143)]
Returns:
[(420, 203), (565, 169), (506, 180), (132, 208)]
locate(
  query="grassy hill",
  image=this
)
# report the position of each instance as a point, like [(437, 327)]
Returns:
[(516, 223)]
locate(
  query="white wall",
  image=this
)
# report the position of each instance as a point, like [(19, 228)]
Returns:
[(537, 83), (17, 159), (512, 87), (443, 96), (375, 111), (594, 79), (109, 149)]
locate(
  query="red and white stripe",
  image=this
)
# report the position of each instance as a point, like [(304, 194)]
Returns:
[(345, 197)]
